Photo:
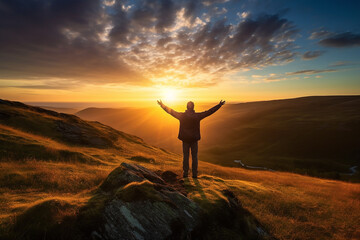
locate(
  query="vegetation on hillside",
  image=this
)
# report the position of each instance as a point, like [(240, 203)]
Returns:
[(38, 180)]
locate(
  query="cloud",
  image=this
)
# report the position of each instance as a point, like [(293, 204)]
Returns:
[(331, 39), (137, 42), (38, 83), (311, 71), (218, 11), (271, 77), (320, 34), (43, 39), (341, 64), (40, 87), (347, 39), (309, 55), (211, 2), (275, 77), (243, 14)]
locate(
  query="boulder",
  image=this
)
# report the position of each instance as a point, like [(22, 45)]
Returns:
[(141, 206), (134, 203)]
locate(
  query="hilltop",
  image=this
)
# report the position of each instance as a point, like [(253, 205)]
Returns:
[(317, 136), (56, 168)]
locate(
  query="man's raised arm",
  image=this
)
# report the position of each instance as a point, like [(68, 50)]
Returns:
[(170, 111), (211, 110)]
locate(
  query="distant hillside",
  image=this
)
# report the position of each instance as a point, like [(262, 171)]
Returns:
[(152, 124), (319, 136), (60, 110), (28, 132)]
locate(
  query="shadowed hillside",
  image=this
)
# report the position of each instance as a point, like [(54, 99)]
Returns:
[(319, 136), (57, 182)]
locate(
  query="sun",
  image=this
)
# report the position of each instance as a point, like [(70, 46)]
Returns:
[(169, 94)]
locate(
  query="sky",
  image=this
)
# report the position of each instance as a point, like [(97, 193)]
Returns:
[(139, 51)]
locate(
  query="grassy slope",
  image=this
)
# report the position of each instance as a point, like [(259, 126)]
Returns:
[(291, 206), (318, 136)]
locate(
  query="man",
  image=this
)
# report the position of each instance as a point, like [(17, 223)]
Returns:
[(189, 132)]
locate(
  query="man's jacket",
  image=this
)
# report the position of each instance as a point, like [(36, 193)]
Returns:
[(190, 122)]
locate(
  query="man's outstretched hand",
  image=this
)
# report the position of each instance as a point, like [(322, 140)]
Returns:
[(160, 102), (222, 102)]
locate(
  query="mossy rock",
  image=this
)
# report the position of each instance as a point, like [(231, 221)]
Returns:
[(225, 218), (118, 178), (128, 173), (91, 215), (139, 191)]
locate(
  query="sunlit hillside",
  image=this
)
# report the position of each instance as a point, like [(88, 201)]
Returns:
[(318, 136), (39, 165)]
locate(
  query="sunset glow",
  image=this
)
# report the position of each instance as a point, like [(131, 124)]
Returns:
[(122, 51), (169, 94)]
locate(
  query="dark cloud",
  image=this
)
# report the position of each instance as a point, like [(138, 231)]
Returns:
[(120, 23), (263, 41), (166, 14), (58, 38), (309, 55), (191, 9), (347, 39), (331, 39), (136, 41)]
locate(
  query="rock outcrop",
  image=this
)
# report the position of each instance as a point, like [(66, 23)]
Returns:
[(137, 204), (141, 206)]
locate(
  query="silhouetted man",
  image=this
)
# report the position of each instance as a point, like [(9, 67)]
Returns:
[(189, 132)]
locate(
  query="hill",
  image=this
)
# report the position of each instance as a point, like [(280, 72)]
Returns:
[(50, 175), (318, 136), (28, 132)]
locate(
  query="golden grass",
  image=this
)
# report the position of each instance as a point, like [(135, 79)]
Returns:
[(23, 184), (41, 140), (290, 206)]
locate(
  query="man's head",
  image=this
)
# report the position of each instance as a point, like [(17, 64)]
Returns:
[(190, 105)]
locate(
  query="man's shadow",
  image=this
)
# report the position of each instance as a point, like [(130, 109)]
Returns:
[(195, 187)]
